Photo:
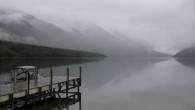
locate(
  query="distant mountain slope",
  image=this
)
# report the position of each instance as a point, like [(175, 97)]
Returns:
[(11, 49), (21, 27), (186, 53), (117, 45)]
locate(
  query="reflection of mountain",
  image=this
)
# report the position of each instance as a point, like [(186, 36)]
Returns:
[(186, 53), (139, 85), (7, 64), (186, 57), (187, 62), (114, 69), (21, 27)]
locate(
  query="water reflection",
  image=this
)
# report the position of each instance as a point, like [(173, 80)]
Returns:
[(7, 63), (138, 84), (187, 62), (43, 64), (134, 84), (55, 104)]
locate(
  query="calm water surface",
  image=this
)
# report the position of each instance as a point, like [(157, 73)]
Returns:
[(124, 84)]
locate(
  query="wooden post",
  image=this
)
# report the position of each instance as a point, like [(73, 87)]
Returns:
[(74, 83), (36, 76), (51, 79), (67, 74), (67, 82), (28, 81), (59, 87), (11, 99), (80, 73), (14, 75), (39, 93), (78, 89), (79, 81), (14, 79), (54, 93), (80, 104), (67, 108)]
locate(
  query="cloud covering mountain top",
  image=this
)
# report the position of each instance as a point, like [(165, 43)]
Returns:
[(29, 29), (157, 22)]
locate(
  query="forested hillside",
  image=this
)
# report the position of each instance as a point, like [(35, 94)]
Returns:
[(12, 49), (186, 53)]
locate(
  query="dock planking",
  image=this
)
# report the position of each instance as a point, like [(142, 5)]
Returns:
[(22, 86), (33, 90)]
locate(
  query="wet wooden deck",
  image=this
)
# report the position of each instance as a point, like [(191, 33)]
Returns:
[(18, 94), (19, 89)]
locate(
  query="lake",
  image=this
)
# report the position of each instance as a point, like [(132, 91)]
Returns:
[(123, 83)]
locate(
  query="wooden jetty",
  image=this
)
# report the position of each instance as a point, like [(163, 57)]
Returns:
[(18, 94), (57, 104)]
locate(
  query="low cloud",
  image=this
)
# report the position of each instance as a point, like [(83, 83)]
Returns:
[(167, 25)]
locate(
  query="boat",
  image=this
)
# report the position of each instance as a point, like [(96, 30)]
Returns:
[(20, 73)]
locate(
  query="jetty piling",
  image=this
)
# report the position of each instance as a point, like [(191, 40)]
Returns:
[(51, 80), (67, 82)]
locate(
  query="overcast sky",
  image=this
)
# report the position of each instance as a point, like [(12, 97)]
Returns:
[(168, 25)]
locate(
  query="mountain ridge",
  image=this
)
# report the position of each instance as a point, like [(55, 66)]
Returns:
[(31, 30), (186, 53)]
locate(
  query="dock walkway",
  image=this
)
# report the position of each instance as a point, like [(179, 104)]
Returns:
[(21, 93)]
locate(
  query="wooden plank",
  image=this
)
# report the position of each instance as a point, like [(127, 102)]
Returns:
[(19, 89), (45, 88), (33, 91), (19, 94), (21, 86), (4, 98)]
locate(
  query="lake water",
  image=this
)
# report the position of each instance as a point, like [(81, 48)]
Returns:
[(123, 84)]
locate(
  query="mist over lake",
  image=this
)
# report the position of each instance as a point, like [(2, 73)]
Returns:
[(97, 55)]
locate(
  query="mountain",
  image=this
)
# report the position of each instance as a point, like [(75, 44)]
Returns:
[(21, 27), (186, 53)]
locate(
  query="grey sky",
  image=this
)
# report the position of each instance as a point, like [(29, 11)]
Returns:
[(168, 25)]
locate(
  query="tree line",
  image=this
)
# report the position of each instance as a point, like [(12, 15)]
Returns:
[(13, 49)]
